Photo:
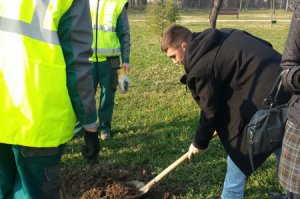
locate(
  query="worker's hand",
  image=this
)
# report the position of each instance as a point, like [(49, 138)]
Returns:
[(92, 145), (193, 151), (126, 66), (124, 81)]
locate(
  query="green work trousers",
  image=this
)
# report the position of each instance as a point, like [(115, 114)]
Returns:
[(29, 173), (106, 76)]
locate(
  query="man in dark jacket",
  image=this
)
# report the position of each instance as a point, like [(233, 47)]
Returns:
[(289, 167), (229, 73)]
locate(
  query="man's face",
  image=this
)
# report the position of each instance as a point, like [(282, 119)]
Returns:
[(177, 54)]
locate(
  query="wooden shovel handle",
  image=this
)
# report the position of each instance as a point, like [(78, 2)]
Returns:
[(150, 184), (165, 172)]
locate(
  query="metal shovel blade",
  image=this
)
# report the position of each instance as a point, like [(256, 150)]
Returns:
[(135, 183), (142, 188), (138, 185)]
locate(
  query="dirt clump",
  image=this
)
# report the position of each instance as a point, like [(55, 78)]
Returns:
[(111, 191), (96, 182)]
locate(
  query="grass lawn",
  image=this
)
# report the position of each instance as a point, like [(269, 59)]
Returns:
[(154, 123)]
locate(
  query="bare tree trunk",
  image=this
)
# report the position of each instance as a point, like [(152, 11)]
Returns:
[(226, 4), (241, 4), (281, 3), (214, 13), (247, 4)]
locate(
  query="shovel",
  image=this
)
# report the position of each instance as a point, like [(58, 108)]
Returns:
[(143, 189)]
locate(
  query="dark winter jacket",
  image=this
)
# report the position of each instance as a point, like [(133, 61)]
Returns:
[(229, 73), (291, 61)]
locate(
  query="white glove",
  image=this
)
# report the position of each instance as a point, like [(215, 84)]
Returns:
[(124, 81)]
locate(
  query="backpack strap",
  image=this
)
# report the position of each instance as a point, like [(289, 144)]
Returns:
[(271, 99)]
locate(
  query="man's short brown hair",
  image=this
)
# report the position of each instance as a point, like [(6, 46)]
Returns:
[(174, 36)]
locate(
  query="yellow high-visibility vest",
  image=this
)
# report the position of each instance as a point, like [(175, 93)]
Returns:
[(35, 108), (105, 39)]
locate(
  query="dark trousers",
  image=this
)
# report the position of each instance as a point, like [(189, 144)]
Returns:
[(31, 173), (106, 76)]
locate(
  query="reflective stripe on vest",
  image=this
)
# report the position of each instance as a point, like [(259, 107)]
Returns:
[(108, 43), (35, 108), (34, 29), (105, 28)]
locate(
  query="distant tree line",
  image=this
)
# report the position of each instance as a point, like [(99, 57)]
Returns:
[(207, 4)]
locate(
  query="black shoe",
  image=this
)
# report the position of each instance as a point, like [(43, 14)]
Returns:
[(275, 195), (288, 195)]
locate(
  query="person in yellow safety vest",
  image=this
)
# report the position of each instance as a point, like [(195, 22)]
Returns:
[(45, 85), (111, 42)]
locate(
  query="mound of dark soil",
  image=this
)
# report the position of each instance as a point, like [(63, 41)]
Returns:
[(94, 182), (114, 190)]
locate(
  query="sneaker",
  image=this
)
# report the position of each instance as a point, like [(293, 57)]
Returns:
[(105, 135)]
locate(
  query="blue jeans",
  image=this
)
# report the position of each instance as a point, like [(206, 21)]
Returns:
[(235, 179), (234, 182)]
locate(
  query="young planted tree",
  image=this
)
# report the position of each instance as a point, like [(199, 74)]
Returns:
[(162, 14)]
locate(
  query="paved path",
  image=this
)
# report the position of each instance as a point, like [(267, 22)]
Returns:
[(221, 20)]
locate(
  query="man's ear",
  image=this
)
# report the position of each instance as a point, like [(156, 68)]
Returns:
[(183, 45)]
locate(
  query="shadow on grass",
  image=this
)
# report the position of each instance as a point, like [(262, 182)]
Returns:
[(152, 148)]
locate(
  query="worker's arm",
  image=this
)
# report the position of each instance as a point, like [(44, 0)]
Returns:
[(75, 35), (290, 58), (207, 95), (123, 32)]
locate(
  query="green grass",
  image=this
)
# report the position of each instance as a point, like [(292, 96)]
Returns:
[(156, 120), (244, 15)]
